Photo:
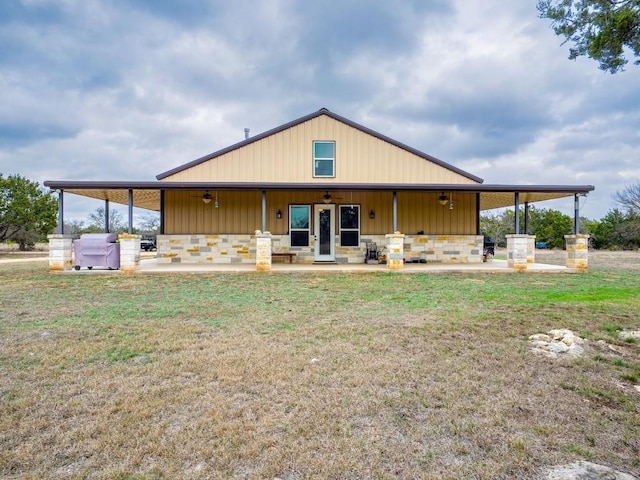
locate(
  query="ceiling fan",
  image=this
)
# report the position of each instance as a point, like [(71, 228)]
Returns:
[(207, 197), (327, 198)]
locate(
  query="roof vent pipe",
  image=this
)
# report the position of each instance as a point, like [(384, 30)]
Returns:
[(246, 133)]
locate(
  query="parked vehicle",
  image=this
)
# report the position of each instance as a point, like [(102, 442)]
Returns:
[(147, 245)]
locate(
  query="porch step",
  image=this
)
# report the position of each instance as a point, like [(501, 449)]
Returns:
[(331, 262)]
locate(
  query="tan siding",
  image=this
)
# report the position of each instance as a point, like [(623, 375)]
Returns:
[(238, 212), (287, 157), (422, 212), (241, 212)]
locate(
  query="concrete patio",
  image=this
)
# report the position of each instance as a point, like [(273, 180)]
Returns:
[(149, 265)]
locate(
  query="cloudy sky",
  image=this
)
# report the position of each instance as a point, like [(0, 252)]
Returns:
[(127, 89)]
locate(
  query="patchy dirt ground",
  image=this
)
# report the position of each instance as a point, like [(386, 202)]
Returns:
[(626, 260)]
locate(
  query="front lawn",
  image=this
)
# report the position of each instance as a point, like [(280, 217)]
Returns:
[(296, 376)]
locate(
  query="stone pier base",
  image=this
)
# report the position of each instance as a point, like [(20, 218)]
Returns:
[(517, 251), (577, 252), (531, 249), (395, 247), (60, 252), (263, 251), (129, 252)]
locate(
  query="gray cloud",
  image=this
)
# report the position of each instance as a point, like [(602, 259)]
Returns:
[(128, 89)]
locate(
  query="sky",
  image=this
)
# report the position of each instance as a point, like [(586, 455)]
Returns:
[(128, 89)]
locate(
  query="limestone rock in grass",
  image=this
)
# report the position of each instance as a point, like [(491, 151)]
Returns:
[(586, 471), (557, 343), (541, 337), (624, 334), (566, 336)]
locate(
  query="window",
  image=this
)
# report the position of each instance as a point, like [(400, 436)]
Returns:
[(299, 225), (350, 226), (324, 159)]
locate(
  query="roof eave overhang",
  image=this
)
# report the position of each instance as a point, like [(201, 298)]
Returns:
[(457, 187), (147, 194)]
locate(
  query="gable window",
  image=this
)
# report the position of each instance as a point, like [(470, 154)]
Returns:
[(324, 159), (349, 226), (299, 225)]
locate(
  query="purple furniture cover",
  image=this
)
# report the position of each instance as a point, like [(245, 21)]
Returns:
[(97, 250)]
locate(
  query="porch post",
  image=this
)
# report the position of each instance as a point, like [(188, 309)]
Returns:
[(130, 211), (162, 212), (517, 212), (106, 216), (576, 218), (526, 218), (395, 211), (477, 213), (60, 212), (264, 211)]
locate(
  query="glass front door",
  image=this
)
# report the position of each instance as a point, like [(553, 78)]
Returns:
[(324, 229)]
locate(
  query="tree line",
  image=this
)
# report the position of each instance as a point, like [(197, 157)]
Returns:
[(28, 213)]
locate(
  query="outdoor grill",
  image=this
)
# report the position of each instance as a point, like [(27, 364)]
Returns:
[(97, 250)]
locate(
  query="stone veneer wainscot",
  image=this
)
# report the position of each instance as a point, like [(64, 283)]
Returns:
[(233, 248)]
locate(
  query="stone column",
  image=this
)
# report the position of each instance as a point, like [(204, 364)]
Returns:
[(577, 252), (395, 249), (129, 252), (263, 251), (531, 249), (517, 251), (60, 252)]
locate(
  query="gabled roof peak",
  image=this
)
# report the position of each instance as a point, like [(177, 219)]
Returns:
[(306, 118)]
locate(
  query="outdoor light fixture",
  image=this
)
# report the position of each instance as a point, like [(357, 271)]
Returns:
[(279, 214), (372, 214), (443, 199), (451, 203)]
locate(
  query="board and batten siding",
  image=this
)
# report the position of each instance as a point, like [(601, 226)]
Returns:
[(240, 212), (186, 213), (287, 156)]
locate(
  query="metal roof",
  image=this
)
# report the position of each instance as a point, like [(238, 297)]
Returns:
[(147, 194)]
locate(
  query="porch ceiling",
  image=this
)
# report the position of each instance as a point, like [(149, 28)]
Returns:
[(147, 194), (491, 200), (148, 199)]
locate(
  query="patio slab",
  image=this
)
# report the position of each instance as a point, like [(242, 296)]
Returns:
[(495, 266)]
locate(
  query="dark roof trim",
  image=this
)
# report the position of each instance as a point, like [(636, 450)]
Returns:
[(322, 111), (120, 185)]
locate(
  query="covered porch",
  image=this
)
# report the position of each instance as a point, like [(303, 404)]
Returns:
[(414, 223)]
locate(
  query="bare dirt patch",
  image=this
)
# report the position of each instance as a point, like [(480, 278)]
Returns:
[(627, 260)]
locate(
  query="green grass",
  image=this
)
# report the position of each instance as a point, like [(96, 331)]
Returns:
[(312, 375)]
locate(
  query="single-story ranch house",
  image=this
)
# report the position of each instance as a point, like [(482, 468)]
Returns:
[(317, 189)]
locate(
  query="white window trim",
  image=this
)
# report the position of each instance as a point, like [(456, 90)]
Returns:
[(333, 159), (308, 229), (340, 230)]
